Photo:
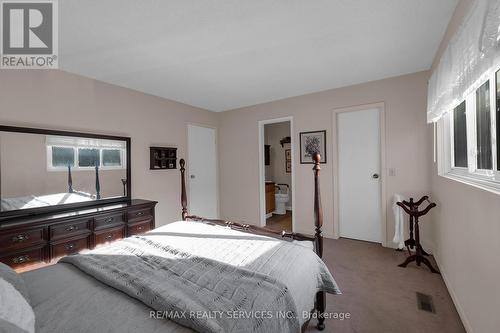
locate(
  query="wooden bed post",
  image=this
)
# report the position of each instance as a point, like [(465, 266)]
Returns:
[(70, 180), (318, 210), (183, 189), (318, 238), (97, 183)]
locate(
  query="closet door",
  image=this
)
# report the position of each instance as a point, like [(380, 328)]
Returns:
[(202, 172), (359, 175)]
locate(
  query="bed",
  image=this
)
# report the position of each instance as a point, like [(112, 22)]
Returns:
[(195, 267), (38, 201), (32, 201)]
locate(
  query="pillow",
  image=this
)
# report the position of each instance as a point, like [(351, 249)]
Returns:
[(16, 315), (16, 280)]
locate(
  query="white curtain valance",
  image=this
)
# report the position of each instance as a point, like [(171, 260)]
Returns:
[(470, 57), (52, 140)]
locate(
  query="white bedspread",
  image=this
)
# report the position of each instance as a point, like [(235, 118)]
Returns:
[(292, 265), (32, 201)]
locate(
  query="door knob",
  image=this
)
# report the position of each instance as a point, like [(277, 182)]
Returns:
[(375, 176)]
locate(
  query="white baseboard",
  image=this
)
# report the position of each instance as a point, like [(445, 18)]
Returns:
[(329, 235), (428, 246), (269, 215), (288, 207), (454, 298)]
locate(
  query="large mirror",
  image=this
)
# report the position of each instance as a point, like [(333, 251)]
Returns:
[(44, 170)]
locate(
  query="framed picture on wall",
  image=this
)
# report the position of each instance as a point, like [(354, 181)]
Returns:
[(310, 143), (288, 160)]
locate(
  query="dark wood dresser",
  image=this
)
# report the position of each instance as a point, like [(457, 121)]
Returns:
[(41, 239)]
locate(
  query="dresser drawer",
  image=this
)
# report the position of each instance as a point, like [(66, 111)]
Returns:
[(21, 239), (108, 235), (70, 228), (107, 221), (23, 258), (139, 228), (69, 247), (139, 214)]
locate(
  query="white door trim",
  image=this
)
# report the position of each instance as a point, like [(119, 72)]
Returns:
[(383, 173), (262, 175), (217, 176)]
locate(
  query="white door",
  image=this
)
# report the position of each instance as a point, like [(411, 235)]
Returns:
[(359, 175), (202, 172)]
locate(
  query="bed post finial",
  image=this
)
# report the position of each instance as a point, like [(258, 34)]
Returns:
[(318, 238), (182, 163)]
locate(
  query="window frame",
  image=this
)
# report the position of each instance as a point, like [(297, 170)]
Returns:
[(77, 166), (485, 179)]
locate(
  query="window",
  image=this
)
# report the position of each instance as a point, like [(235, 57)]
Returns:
[(111, 157), (497, 90), (88, 157), (460, 136), (468, 136), (483, 127), (63, 156)]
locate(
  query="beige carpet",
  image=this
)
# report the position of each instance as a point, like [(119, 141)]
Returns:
[(380, 296)]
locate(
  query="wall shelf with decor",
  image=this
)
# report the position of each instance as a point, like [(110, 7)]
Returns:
[(163, 158)]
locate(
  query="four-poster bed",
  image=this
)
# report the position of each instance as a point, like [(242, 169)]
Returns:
[(317, 239), (201, 267)]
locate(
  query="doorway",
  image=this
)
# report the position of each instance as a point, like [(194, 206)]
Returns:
[(276, 173), (359, 174), (202, 171)]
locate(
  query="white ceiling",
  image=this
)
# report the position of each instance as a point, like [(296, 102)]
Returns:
[(226, 54)]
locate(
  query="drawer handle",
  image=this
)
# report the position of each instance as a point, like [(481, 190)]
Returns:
[(70, 247), (20, 238), (72, 228), (21, 259), (109, 220), (108, 237), (139, 214)]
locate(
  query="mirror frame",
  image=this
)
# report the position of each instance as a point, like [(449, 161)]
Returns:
[(71, 206)]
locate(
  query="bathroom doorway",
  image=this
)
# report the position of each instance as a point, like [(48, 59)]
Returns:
[(277, 173)]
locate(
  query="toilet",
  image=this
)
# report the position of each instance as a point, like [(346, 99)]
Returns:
[(281, 200)]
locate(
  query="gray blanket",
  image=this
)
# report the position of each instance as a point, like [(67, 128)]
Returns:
[(200, 293), (216, 291)]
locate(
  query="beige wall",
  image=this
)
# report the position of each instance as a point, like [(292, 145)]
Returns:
[(63, 101), (467, 239), (273, 133), (407, 136)]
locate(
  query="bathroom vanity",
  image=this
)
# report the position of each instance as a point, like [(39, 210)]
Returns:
[(270, 201)]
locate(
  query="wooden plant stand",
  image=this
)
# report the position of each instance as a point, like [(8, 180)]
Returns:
[(411, 208)]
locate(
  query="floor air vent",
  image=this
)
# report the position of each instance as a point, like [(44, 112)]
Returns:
[(425, 303)]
